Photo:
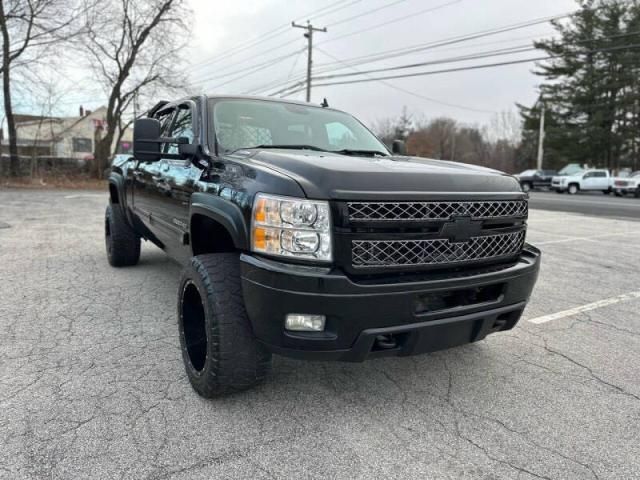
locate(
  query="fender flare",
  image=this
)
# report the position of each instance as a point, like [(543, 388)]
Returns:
[(117, 181), (227, 214)]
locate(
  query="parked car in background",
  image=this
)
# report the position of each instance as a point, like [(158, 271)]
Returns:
[(629, 185), (588, 180), (532, 179)]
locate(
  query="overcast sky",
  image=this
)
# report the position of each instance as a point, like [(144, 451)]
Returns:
[(221, 27), (225, 57)]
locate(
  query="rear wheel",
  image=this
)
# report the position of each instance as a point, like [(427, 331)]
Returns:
[(606, 192), (220, 353), (122, 242), (573, 189)]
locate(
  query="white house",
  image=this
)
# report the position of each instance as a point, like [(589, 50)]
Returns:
[(63, 137)]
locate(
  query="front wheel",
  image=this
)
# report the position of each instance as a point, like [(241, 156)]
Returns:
[(526, 187), (220, 353), (573, 189), (122, 242)]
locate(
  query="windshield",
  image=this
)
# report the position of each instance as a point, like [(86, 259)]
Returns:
[(528, 173), (251, 123)]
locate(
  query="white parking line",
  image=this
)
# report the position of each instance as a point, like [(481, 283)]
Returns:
[(586, 308), (573, 239)]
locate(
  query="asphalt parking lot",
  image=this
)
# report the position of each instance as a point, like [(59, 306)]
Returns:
[(92, 383)]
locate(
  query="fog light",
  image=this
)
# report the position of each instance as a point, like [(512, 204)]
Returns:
[(304, 323)]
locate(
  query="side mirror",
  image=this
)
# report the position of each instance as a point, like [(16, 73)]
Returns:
[(186, 149), (398, 147), (146, 132)]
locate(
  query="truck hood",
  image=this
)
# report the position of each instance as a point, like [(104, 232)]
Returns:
[(325, 175)]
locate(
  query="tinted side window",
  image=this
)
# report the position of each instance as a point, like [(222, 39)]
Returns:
[(164, 117), (599, 174), (182, 127)]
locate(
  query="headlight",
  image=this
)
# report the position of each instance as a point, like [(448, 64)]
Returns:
[(291, 227)]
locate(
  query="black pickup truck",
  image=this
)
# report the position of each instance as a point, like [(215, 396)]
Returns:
[(301, 234), (534, 179)]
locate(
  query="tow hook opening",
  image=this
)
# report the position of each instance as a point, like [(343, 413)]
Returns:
[(389, 341), (506, 321)]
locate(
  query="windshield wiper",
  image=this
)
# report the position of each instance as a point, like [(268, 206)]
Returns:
[(351, 151), (293, 147)]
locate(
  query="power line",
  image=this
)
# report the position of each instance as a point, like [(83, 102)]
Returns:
[(417, 95), (250, 67), (491, 53), (463, 38), (271, 34), (280, 46), (339, 65), (463, 58), (395, 20), (452, 40), (355, 17), (460, 69)]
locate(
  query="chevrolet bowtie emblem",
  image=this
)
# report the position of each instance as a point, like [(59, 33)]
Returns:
[(461, 229)]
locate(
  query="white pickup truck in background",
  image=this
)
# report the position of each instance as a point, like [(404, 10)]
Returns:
[(593, 179), (629, 185)]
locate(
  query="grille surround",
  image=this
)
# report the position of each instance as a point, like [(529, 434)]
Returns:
[(434, 252), (435, 210)]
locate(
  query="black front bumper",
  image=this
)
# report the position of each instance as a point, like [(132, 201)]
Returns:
[(418, 314)]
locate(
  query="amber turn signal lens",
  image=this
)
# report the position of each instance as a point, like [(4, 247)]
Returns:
[(260, 238), (260, 211)]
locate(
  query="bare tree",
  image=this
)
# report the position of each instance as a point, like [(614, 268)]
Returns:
[(132, 47), (507, 126), (30, 30)]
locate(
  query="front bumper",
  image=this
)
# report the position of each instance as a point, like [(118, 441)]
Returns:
[(358, 312)]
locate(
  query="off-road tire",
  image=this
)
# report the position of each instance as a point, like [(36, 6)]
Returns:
[(123, 244), (220, 353)]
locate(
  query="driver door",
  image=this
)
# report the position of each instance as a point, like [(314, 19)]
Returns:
[(147, 188), (179, 182)]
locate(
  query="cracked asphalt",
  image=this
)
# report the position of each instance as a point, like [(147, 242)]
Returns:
[(92, 383)]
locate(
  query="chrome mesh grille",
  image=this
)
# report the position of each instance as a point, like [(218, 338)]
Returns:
[(421, 211), (388, 253)]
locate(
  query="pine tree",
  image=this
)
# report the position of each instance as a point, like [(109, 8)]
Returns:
[(590, 86)]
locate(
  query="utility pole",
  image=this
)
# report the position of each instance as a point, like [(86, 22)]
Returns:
[(541, 136), (309, 35)]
